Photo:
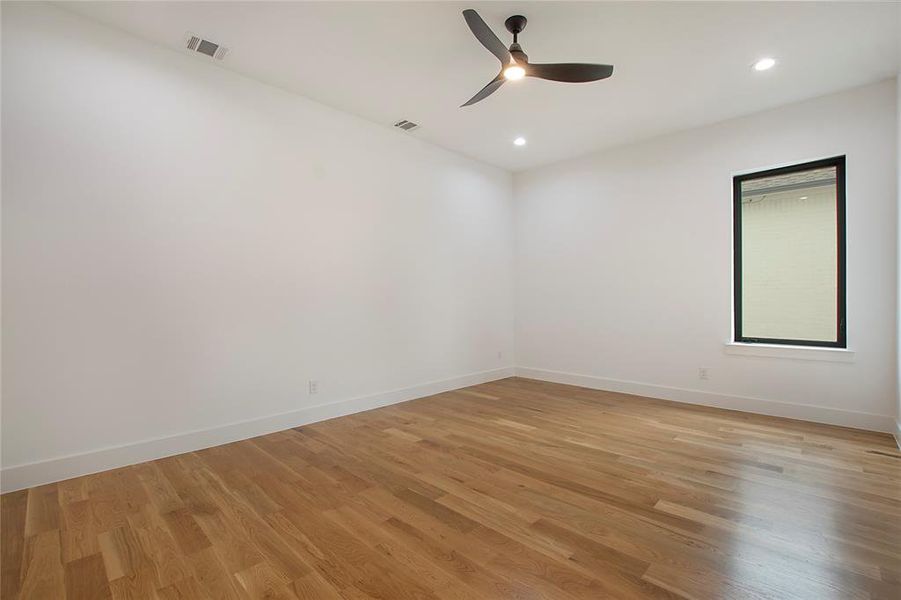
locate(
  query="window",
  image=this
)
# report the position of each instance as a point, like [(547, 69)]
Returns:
[(789, 234)]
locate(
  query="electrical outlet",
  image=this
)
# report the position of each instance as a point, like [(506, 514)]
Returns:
[(702, 373), (314, 387)]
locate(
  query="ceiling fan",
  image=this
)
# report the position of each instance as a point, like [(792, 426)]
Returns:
[(515, 63)]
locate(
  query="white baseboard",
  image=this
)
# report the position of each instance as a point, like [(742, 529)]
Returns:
[(776, 408), (18, 477), (897, 433), (57, 469)]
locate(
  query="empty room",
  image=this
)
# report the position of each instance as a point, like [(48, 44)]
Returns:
[(445, 301)]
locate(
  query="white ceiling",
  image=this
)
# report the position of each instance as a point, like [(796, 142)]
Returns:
[(678, 64)]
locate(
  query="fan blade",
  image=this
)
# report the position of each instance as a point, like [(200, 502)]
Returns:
[(569, 72), (484, 34), (487, 90)]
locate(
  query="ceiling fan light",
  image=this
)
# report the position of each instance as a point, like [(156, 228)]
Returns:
[(514, 72)]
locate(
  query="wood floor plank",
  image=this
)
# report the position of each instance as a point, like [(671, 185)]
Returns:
[(185, 530), (86, 579), (122, 552), (42, 568), (134, 586), (43, 510), (79, 535), (510, 489), (211, 574), (13, 507)]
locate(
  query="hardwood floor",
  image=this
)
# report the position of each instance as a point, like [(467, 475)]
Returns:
[(513, 489)]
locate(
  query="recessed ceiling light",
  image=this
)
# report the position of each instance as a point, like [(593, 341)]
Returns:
[(520, 141), (764, 63), (803, 197)]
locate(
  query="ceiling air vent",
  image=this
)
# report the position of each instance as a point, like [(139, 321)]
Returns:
[(406, 125), (197, 44)]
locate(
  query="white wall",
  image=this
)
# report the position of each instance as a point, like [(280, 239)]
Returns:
[(623, 265), (898, 307), (184, 249)]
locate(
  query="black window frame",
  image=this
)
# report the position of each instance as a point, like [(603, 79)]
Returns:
[(841, 326)]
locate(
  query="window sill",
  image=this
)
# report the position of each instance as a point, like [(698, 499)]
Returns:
[(795, 352)]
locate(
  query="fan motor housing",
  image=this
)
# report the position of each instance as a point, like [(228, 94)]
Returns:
[(517, 53)]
